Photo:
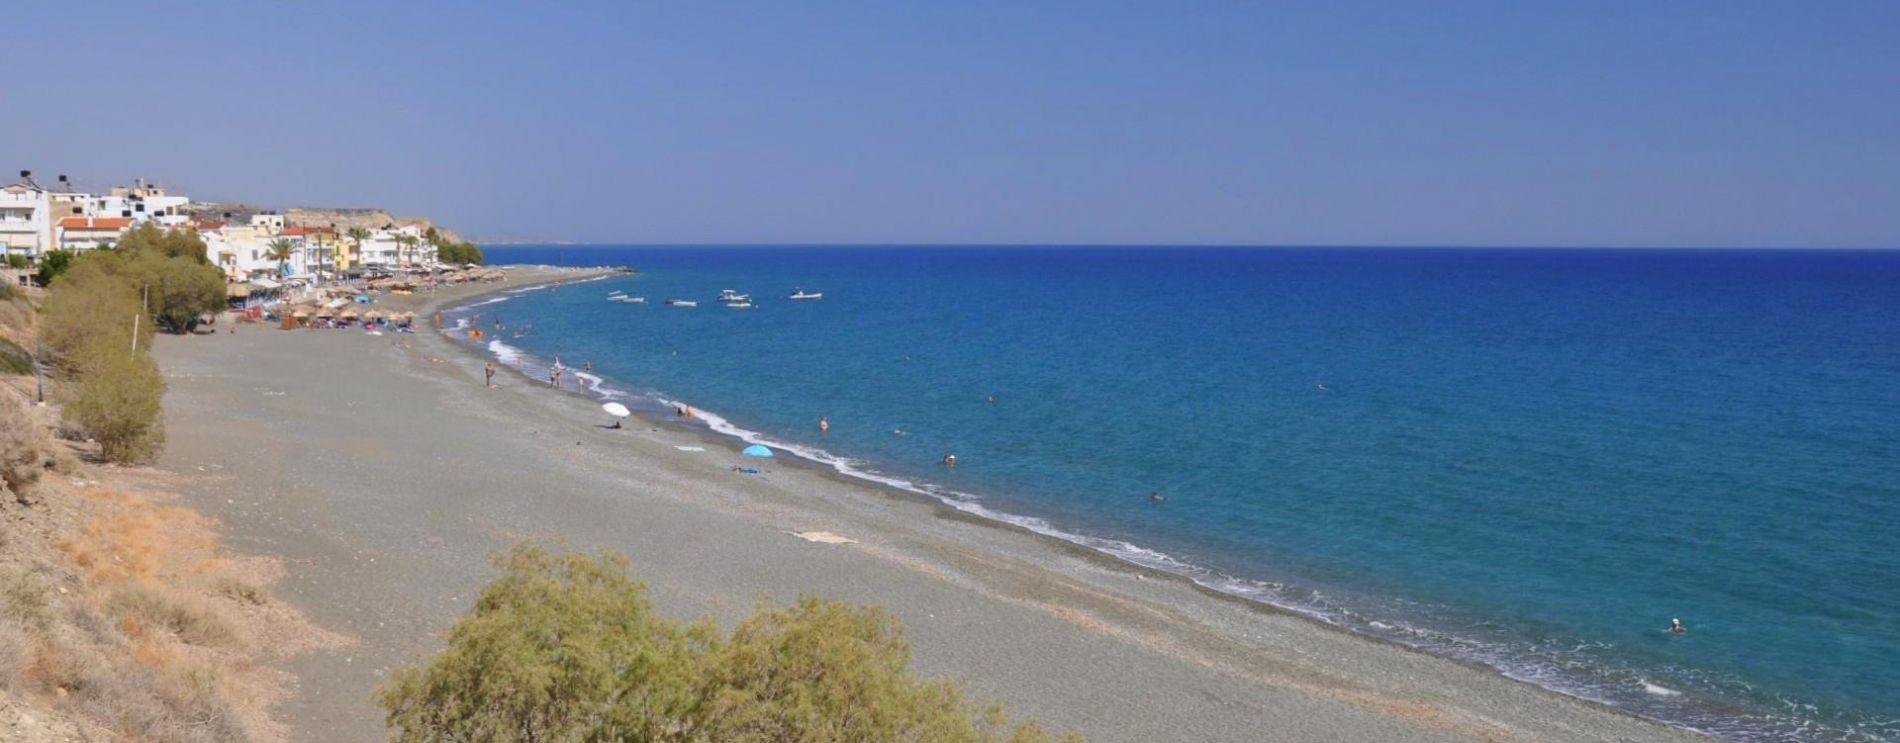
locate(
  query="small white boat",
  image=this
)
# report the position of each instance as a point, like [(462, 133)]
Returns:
[(739, 305), (729, 296), (630, 299), (615, 293), (682, 303), (802, 294)]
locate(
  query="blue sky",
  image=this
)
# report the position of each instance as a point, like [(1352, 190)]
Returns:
[(1400, 123)]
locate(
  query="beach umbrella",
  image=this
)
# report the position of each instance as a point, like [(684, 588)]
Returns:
[(616, 410), (756, 450)]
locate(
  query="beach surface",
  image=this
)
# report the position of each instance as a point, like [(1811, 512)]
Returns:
[(385, 475)]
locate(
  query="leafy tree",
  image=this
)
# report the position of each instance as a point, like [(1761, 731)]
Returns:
[(91, 306), (15, 260), (172, 243), (113, 388), (459, 253), (567, 648), (52, 264), (181, 291)]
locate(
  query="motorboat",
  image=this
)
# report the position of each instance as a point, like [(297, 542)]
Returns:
[(802, 294), (682, 303), (630, 299), (729, 296), (739, 305), (615, 293)]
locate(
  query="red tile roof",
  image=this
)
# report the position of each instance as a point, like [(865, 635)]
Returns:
[(95, 223), (295, 231), (207, 226)]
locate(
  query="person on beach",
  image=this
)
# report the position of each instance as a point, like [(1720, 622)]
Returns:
[(824, 425), (1676, 628), (488, 374), (587, 365), (554, 377)]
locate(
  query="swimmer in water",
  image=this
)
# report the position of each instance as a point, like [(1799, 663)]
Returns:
[(1676, 628), (949, 460), (898, 431), (1155, 496), (1320, 387), (824, 424)]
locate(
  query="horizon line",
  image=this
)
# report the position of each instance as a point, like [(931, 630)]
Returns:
[(1269, 246)]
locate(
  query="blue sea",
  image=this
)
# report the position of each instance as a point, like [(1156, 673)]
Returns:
[(1530, 459)]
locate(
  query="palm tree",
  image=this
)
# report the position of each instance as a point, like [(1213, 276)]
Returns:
[(408, 243), (281, 250), (433, 237), (357, 235)]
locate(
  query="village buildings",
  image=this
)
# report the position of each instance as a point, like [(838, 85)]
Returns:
[(35, 220)]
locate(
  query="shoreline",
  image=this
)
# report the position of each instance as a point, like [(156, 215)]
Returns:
[(1010, 617), (649, 412)]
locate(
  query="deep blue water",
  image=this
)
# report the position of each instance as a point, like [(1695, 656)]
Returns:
[(1528, 458)]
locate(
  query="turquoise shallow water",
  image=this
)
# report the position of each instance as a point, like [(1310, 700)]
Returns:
[(1531, 459)]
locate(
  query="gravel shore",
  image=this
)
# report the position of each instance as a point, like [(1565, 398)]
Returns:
[(384, 476)]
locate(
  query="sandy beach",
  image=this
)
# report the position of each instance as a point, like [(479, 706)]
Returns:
[(384, 476)]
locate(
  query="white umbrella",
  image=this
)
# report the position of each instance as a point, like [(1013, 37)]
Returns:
[(616, 410)]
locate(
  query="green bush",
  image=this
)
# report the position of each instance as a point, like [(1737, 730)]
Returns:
[(52, 264), (568, 648), (459, 253), (117, 399), (15, 260)]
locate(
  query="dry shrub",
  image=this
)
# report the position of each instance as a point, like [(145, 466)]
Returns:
[(16, 315), (190, 617), (14, 358), (25, 448), (24, 599), (137, 539), (239, 590), (16, 652)]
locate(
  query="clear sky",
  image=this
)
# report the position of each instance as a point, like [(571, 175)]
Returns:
[(1721, 123)]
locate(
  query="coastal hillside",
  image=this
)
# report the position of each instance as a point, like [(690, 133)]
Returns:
[(343, 218)]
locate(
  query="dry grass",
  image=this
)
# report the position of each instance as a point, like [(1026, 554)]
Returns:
[(134, 539), (122, 613), (141, 607)]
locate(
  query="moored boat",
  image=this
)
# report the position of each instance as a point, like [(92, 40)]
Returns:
[(802, 294), (682, 303)]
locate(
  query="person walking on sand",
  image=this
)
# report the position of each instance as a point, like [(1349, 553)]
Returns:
[(488, 374)]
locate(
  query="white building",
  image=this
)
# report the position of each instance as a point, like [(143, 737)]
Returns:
[(141, 203), (24, 230), (86, 233)]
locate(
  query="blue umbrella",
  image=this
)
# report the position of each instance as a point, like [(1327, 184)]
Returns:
[(756, 450)]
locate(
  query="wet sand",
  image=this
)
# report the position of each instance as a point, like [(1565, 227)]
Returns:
[(385, 476)]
